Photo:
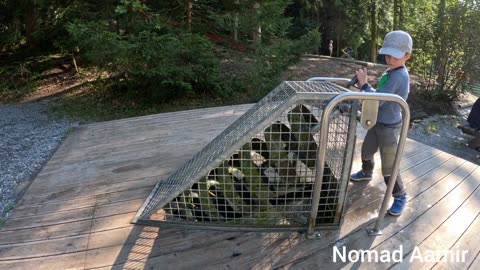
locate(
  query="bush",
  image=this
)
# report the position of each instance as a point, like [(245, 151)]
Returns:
[(156, 62), (274, 58)]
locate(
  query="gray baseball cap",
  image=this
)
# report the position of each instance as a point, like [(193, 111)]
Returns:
[(397, 44)]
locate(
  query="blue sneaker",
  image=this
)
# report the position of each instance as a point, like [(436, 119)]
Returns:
[(398, 205), (361, 176)]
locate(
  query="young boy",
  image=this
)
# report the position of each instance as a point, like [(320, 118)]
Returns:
[(397, 48)]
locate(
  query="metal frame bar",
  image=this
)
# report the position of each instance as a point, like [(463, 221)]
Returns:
[(296, 99), (322, 151), (290, 100), (328, 79), (352, 137), (225, 227)]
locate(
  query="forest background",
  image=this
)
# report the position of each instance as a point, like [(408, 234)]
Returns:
[(136, 57)]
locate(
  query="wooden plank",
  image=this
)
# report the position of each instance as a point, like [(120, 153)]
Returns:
[(200, 249), (74, 215), (69, 229), (118, 129), (198, 113), (44, 248), (113, 222), (121, 142), (468, 241), (51, 219), (154, 171), (135, 192), (64, 261), (447, 232), (422, 210), (476, 263), (87, 191), (146, 242), (417, 169), (92, 139), (352, 232), (120, 196), (126, 148), (45, 232), (64, 245), (118, 208), (85, 173)]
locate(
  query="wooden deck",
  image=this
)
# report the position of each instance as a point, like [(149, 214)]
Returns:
[(77, 212)]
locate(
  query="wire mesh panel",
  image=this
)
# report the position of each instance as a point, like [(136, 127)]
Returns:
[(260, 172)]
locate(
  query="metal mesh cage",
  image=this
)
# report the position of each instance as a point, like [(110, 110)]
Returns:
[(260, 172)]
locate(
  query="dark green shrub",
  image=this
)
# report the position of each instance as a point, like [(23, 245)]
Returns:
[(157, 62)]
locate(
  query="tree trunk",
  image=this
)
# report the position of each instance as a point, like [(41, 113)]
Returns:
[(235, 21), (30, 21), (189, 14), (129, 26), (398, 17), (395, 14), (338, 43), (257, 33), (373, 31), (441, 57), (401, 16), (318, 26)]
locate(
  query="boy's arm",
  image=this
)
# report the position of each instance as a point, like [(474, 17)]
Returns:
[(389, 87), (390, 83)]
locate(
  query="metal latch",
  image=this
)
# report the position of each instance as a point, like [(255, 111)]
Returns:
[(368, 119)]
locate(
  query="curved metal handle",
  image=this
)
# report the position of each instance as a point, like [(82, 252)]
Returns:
[(333, 79), (322, 148)]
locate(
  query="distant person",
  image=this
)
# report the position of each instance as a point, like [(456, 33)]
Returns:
[(473, 126), (347, 52), (397, 48), (330, 48)]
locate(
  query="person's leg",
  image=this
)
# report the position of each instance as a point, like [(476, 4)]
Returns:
[(388, 144), (369, 148)]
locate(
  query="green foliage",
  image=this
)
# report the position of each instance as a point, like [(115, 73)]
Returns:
[(35, 23), (130, 5), (157, 62), (431, 128), (19, 78), (271, 59), (356, 34), (446, 49), (8, 208)]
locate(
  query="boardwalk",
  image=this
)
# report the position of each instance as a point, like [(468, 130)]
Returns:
[(77, 212)]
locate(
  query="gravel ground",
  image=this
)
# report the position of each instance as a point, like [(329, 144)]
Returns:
[(441, 132), (29, 136)]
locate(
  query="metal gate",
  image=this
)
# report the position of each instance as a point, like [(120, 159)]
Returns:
[(260, 172)]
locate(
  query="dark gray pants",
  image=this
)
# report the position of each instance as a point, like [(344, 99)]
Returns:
[(383, 137)]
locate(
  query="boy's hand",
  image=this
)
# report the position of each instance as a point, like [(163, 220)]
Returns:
[(361, 76)]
